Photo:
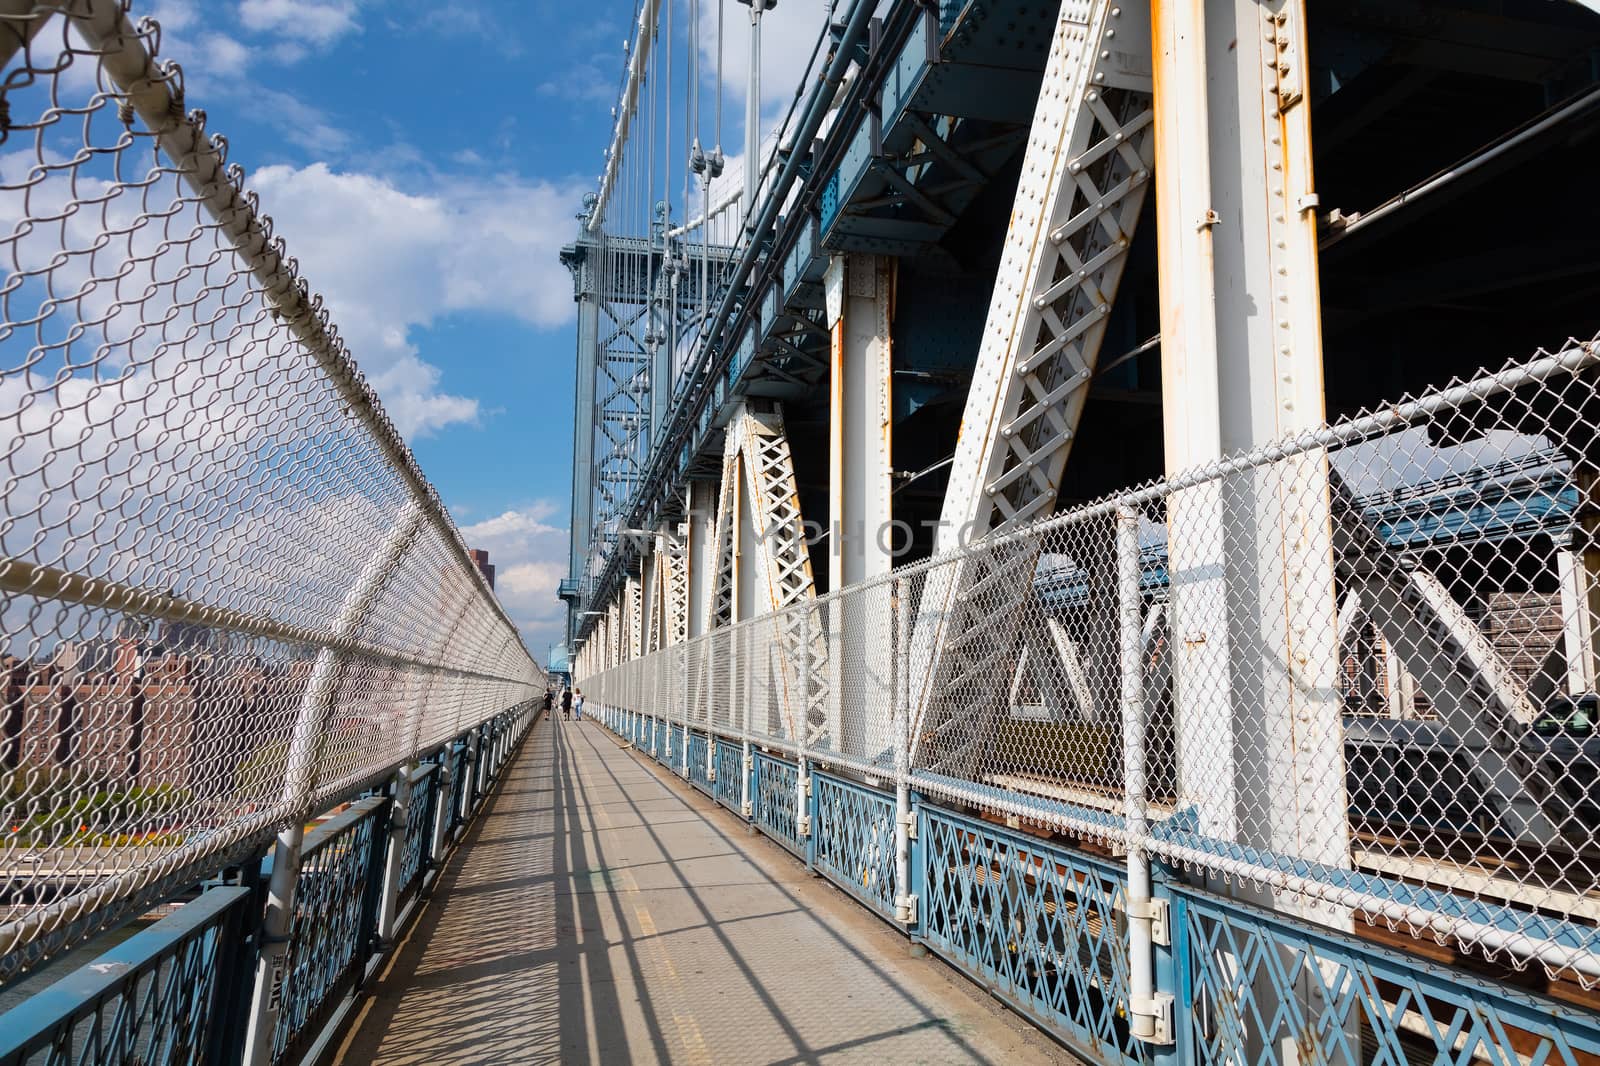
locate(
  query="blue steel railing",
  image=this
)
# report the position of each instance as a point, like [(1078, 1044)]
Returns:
[(853, 838), (772, 794), (699, 770), (1039, 923), (179, 991), (1248, 979), (1043, 925), (421, 814), (335, 908), (730, 774), (173, 993)]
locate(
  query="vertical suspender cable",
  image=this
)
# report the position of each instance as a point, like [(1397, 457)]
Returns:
[(666, 141), (721, 7), (752, 114)]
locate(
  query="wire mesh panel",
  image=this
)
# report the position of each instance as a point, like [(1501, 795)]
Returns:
[(230, 597), (1354, 670)]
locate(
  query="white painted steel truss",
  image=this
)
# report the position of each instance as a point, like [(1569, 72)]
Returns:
[(758, 480), (1088, 164)]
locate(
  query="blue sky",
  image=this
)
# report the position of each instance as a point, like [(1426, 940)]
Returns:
[(425, 162)]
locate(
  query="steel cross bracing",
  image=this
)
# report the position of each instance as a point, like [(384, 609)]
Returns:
[(675, 583), (1089, 161), (758, 479), (925, 177), (654, 621), (634, 608), (720, 606), (1470, 686), (622, 406)]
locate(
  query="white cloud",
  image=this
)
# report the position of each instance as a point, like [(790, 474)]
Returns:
[(388, 261), (175, 15), (788, 33), (530, 558), (299, 123), (474, 20), (222, 54), (317, 22)]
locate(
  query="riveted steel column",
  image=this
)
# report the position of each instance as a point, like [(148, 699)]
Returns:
[(699, 538), (858, 293)]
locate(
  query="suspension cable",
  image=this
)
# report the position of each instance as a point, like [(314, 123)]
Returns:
[(721, 6)]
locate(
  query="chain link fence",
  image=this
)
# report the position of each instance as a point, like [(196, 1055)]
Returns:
[(230, 597), (1352, 674)]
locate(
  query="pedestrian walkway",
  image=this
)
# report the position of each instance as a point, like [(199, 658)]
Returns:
[(599, 914)]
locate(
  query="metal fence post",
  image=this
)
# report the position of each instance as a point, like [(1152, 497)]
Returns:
[(688, 695), (802, 780), (399, 824), (474, 773), (705, 683), (1149, 1012), (905, 903), (746, 806), (491, 757), (458, 760), (734, 662), (300, 776), (236, 970), (711, 755), (443, 803), (383, 821)]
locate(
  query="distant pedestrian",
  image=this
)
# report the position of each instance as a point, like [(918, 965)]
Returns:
[(549, 698), (577, 706), (566, 703)]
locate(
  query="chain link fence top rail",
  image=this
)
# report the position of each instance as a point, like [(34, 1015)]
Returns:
[(230, 597), (1352, 673)]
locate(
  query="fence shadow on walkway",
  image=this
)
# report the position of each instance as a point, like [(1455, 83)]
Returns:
[(812, 926), (538, 947)]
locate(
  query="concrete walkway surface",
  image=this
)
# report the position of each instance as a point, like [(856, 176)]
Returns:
[(599, 914)]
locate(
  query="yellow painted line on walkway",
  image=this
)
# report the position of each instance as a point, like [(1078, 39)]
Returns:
[(654, 945)]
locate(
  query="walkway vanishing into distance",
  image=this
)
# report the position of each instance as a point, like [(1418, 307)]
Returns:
[(602, 914)]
